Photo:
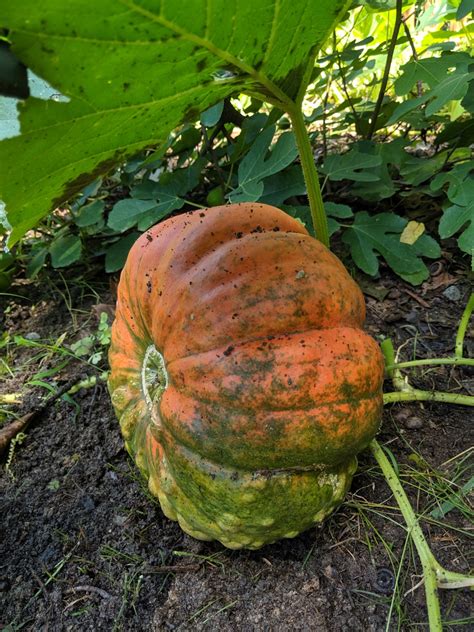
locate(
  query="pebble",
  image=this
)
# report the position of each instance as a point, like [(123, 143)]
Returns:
[(403, 414), (414, 423), (32, 335), (48, 554), (88, 503), (311, 585), (330, 572), (394, 294), (120, 520), (412, 317), (452, 293)]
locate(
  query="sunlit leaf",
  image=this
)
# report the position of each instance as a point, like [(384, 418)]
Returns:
[(260, 163), (134, 70)]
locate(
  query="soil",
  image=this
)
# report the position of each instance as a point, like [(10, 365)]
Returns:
[(83, 546)]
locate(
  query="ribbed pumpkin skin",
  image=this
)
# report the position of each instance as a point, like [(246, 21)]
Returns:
[(271, 387)]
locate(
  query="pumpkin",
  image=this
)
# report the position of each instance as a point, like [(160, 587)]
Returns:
[(240, 373)]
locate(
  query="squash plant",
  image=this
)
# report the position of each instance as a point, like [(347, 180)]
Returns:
[(125, 76)]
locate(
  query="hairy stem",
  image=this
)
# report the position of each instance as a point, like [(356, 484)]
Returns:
[(430, 361), (463, 326), (398, 381), (316, 205), (414, 529), (415, 395), (435, 575)]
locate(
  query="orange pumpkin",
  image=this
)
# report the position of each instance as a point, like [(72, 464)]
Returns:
[(240, 373)]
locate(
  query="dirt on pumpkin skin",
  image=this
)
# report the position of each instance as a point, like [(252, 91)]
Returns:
[(84, 547)]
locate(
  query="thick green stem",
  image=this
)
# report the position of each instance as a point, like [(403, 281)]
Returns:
[(426, 557), (398, 381), (316, 205), (463, 326), (434, 574), (415, 395), (430, 361), (386, 72)]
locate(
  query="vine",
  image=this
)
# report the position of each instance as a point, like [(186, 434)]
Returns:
[(434, 574)]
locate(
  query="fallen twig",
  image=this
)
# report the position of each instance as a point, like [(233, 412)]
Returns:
[(10, 432), (7, 433), (417, 298), (92, 589)]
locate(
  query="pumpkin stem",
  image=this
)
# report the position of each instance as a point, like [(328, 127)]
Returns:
[(405, 392), (456, 361), (435, 575), (316, 204), (463, 323), (416, 395), (154, 376)]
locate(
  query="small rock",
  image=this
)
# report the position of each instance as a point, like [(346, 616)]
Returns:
[(120, 520), (88, 503), (49, 553), (414, 423), (311, 585), (393, 294), (452, 293), (32, 335), (330, 572), (402, 414)]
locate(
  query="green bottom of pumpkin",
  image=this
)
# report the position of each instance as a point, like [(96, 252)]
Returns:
[(240, 509)]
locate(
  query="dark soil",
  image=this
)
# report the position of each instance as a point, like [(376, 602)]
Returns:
[(84, 547)]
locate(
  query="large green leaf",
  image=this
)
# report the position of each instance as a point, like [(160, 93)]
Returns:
[(283, 185), (460, 215), (353, 165), (65, 250), (133, 71), (456, 217), (259, 164), (380, 234)]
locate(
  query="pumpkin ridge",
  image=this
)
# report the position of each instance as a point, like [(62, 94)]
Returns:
[(244, 409), (191, 277), (323, 443), (235, 345), (313, 467)]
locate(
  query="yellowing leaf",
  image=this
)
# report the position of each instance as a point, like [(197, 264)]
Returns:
[(412, 231)]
